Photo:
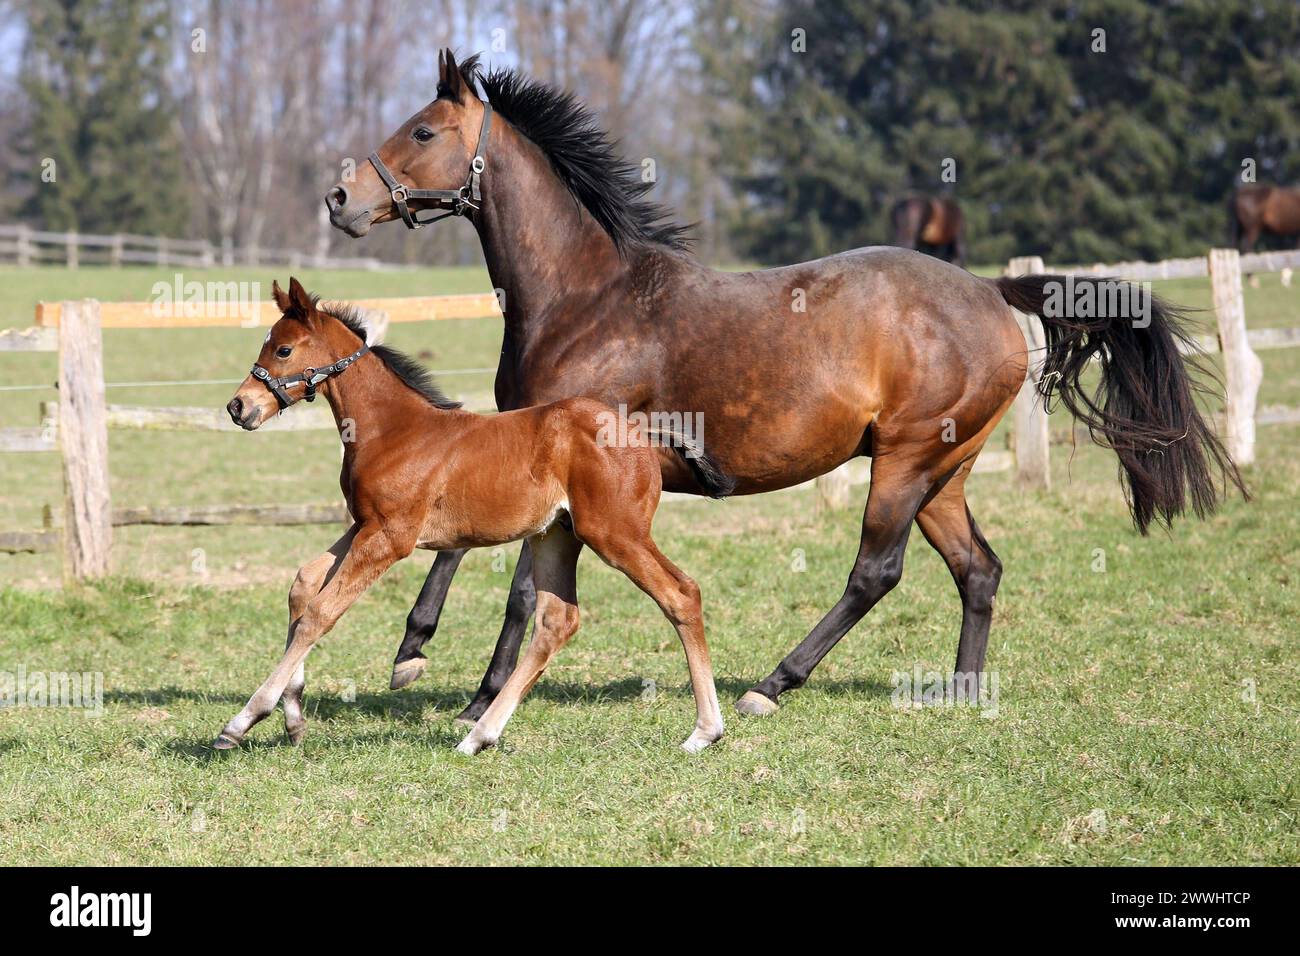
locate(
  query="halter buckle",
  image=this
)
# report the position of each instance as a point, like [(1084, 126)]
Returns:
[(478, 165), (398, 194)]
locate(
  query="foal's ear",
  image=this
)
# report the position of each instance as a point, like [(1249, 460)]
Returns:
[(300, 302), (281, 299)]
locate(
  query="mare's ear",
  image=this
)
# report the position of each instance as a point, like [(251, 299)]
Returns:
[(281, 299), (450, 82), (300, 303)]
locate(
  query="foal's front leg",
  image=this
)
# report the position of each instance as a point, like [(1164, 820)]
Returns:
[(371, 553), (310, 579)]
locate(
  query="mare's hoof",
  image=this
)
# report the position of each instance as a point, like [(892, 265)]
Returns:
[(296, 733), (754, 704), (225, 741), (407, 672)]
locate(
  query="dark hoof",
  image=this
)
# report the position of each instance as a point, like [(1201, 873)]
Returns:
[(754, 704), (296, 733), (407, 672), (470, 715), (225, 741)]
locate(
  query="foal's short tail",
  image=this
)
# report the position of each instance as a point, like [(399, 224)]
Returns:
[(1144, 406), (715, 482)]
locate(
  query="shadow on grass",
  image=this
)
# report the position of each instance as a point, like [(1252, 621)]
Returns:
[(407, 709)]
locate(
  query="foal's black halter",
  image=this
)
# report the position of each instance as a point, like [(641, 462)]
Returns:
[(310, 377), (466, 197)]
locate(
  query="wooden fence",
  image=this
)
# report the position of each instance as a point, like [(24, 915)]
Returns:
[(24, 246), (77, 424)]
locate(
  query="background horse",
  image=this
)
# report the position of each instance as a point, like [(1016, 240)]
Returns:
[(419, 472), (879, 351), (1254, 210), (933, 224)]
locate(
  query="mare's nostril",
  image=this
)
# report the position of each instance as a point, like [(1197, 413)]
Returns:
[(336, 198), (235, 407)]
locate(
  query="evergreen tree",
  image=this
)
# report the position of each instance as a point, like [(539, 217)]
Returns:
[(1080, 129), (94, 75)]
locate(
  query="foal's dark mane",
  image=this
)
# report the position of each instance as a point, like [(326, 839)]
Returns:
[(582, 155), (411, 372)]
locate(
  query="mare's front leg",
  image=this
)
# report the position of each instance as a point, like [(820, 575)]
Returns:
[(370, 554), (310, 579), (423, 619)]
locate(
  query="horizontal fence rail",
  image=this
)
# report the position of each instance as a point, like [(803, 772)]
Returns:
[(24, 246)]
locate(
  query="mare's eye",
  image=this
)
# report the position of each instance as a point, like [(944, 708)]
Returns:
[(284, 351), (422, 134)]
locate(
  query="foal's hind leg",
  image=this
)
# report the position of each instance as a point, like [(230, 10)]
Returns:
[(678, 596), (898, 490), (555, 563), (947, 524)]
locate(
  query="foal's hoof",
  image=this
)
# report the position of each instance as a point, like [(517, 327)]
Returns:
[(225, 741), (407, 672), (296, 733), (754, 704), (471, 745)]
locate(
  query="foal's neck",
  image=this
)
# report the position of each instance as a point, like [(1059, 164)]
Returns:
[(367, 398), (540, 243)]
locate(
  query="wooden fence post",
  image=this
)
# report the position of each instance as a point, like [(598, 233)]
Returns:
[(24, 245), (71, 250), (1033, 466), (833, 490), (83, 438), (1242, 369)]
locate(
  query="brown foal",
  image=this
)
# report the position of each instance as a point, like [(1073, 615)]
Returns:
[(419, 472)]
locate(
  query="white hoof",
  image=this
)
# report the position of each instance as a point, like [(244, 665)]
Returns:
[(699, 740), (471, 745)]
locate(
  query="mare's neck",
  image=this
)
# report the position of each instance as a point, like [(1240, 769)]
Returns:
[(542, 247)]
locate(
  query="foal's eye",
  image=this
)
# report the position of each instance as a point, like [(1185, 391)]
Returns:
[(284, 351), (422, 134)]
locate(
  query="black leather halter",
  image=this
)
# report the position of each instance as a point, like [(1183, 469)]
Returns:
[(466, 197), (310, 377)]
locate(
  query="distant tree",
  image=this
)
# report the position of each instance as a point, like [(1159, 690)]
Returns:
[(99, 139), (1077, 129)]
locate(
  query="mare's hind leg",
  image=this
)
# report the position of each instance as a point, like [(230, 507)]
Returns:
[(555, 563), (898, 489), (678, 596), (947, 524), (310, 579)]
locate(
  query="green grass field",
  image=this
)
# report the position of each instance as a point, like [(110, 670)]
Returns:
[(1148, 689)]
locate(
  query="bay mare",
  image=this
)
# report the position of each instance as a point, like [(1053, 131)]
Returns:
[(878, 351)]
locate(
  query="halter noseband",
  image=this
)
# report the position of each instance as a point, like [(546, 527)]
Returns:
[(310, 377), (466, 197)]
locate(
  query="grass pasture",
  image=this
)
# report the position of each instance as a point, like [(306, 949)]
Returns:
[(1148, 689)]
